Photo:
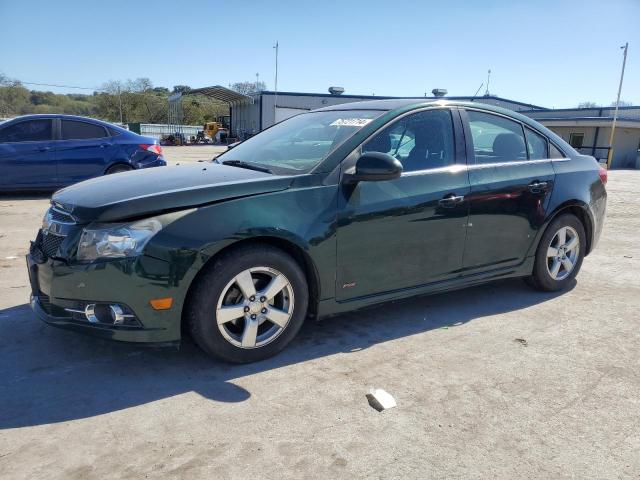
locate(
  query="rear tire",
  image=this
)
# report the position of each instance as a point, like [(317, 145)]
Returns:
[(559, 255), (118, 169), (248, 305)]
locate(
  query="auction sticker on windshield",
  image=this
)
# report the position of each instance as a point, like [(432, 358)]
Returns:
[(351, 122)]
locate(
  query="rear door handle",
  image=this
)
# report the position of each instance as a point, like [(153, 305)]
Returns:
[(451, 200), (538, 187), (44, 149)]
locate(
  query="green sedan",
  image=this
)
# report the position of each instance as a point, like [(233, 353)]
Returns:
[(327, 212)]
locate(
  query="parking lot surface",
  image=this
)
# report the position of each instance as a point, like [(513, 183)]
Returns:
[(496, 381), (192, 153)]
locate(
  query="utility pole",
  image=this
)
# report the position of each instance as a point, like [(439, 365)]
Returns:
[(257, 81), (615, 112), (486, 93), (275, 100)]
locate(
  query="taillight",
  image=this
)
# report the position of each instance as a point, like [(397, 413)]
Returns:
[(157, 149), (603, 175)]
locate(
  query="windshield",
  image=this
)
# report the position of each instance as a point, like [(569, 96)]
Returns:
[(300, 143)]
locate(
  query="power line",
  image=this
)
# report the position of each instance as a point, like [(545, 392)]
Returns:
[(60, 86)]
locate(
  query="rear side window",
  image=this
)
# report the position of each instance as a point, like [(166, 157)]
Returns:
[(555, 152), (113, 132), (496, 139), (29, 131), (536, 144), (73, 130)]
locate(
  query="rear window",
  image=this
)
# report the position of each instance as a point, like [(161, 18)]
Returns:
[(74, 130), (29, 131)]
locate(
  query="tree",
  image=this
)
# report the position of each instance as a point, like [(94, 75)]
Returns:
[(621, 103), (181, 88), (140, 101), (247, 88), (587, 105)]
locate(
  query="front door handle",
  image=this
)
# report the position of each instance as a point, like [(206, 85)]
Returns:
[(451, 200), (538, 187)]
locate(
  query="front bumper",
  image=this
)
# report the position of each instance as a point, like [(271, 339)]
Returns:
[(56, 286)]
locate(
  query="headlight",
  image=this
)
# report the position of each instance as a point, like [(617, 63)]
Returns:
[(116, 241)]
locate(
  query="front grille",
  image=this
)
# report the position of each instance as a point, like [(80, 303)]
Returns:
[(60, 216), (51, 244)]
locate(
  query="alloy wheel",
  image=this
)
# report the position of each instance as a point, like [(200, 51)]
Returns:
[(562, 253), (255, 307)]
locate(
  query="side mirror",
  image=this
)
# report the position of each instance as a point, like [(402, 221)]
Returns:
[(374, 167)]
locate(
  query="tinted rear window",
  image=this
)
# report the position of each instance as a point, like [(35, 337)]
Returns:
[(73, 130), (29, 131)]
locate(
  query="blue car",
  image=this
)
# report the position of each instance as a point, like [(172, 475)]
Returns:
[(53, 151)]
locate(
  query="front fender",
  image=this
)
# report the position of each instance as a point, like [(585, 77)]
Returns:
[(301, 217)]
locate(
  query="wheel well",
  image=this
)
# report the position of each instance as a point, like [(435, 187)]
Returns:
[(119, 163), (583, 216), (299, 255)]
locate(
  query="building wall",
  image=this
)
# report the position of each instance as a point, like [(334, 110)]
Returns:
[(252, 118), (156, 130), (625, 143)]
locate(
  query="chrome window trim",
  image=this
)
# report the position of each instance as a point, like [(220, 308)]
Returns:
[(456, 167)]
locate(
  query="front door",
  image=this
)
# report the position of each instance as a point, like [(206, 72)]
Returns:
[(511, 181), (82, 152), (27, 158), (409, 231)]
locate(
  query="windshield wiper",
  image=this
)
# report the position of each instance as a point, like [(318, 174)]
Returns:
[(248, 165)]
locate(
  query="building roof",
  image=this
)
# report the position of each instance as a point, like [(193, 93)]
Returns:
[(589, 122), (376, 97), (221, 93)]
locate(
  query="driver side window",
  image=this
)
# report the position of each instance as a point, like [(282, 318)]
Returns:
[(421, 141)]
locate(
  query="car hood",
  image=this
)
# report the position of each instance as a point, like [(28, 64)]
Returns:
[(155, 190)]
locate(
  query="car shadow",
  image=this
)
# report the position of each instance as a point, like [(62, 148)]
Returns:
[(31, 195), (50, 375)]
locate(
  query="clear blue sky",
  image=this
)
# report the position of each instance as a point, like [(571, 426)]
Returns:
[(552, 53)]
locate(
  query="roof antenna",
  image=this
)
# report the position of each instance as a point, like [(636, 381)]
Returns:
[(486, 93), (476, 94)]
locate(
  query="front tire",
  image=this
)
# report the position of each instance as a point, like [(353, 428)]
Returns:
[(248, 305), (559, 255)]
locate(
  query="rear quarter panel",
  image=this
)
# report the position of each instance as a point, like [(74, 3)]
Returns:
[(578, 184)]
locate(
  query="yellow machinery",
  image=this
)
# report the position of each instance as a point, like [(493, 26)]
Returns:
[(212, 131), (212, 128)]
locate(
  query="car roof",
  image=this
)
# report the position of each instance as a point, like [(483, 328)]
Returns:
[(413, 103), (56, 115), (388, 104), (406, 104), (67, 117)]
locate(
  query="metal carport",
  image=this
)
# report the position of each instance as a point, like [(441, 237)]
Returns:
[(175, 118)]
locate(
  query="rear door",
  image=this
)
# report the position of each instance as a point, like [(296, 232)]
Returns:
[(26, 154), (511, 178), (83, 151)]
